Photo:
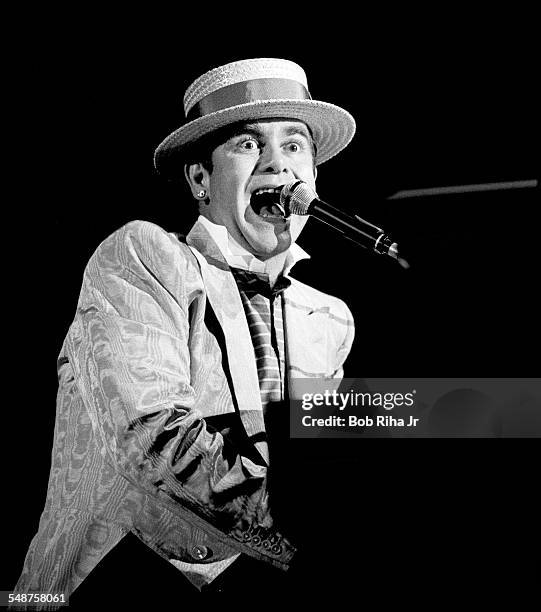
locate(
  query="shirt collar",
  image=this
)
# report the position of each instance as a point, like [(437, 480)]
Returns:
[(238, 257)]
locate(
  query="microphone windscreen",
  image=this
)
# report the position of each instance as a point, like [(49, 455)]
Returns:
[(296, 198)]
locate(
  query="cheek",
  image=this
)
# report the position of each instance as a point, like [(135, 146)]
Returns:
[(306, 172), (230, 179), (222, 188)]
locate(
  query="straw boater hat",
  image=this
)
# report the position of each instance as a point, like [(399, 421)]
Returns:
[(256, 89)]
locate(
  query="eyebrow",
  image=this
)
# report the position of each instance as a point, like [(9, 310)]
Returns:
[(298, 129), (248, 129), (253, 130)]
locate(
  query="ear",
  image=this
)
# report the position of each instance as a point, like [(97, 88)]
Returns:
[(198, 177)]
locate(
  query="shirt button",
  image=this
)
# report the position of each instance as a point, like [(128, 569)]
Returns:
[(199, 552)]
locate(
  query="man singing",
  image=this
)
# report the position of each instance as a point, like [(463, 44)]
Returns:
[(180, 352)]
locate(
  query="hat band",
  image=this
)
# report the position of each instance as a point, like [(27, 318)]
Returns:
[(256, 90)]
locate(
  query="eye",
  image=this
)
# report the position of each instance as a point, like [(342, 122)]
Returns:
[(293, 147), (249, 144)]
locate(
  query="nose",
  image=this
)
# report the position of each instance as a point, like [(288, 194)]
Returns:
[(273, 161)]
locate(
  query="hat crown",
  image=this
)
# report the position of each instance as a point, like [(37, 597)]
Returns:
[(249, 91), (238, 72)]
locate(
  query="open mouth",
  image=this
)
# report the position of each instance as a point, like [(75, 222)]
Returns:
[(265, 202)]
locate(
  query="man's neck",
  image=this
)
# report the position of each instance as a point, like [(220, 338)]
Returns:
[(239, 257)]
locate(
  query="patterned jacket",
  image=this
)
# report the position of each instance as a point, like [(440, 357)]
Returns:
[(160, 347)]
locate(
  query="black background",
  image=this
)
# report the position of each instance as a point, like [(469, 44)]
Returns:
[(439, 100)]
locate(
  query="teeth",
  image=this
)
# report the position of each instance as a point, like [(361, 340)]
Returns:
[(267, 190)]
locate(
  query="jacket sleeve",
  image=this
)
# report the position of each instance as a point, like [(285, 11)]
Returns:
[(129, 348)]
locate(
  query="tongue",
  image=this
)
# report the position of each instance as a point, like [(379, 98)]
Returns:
[(273, 209)]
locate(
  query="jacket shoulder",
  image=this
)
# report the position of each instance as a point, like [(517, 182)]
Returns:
[(142, 243), (137, 260), (145, 239)]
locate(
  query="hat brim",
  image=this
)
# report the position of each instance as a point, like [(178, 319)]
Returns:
[(332, 127)]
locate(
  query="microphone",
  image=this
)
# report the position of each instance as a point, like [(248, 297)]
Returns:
[(298, 198)]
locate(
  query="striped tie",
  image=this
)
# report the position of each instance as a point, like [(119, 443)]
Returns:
[(263, 308)]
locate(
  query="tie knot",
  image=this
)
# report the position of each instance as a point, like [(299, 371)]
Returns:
[(254, 282)]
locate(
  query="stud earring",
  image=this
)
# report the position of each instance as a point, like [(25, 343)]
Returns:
[(201, 194)]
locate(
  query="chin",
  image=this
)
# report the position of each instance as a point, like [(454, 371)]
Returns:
[(273, 245)]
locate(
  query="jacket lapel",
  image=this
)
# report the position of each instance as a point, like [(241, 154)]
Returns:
[(224, 298)]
